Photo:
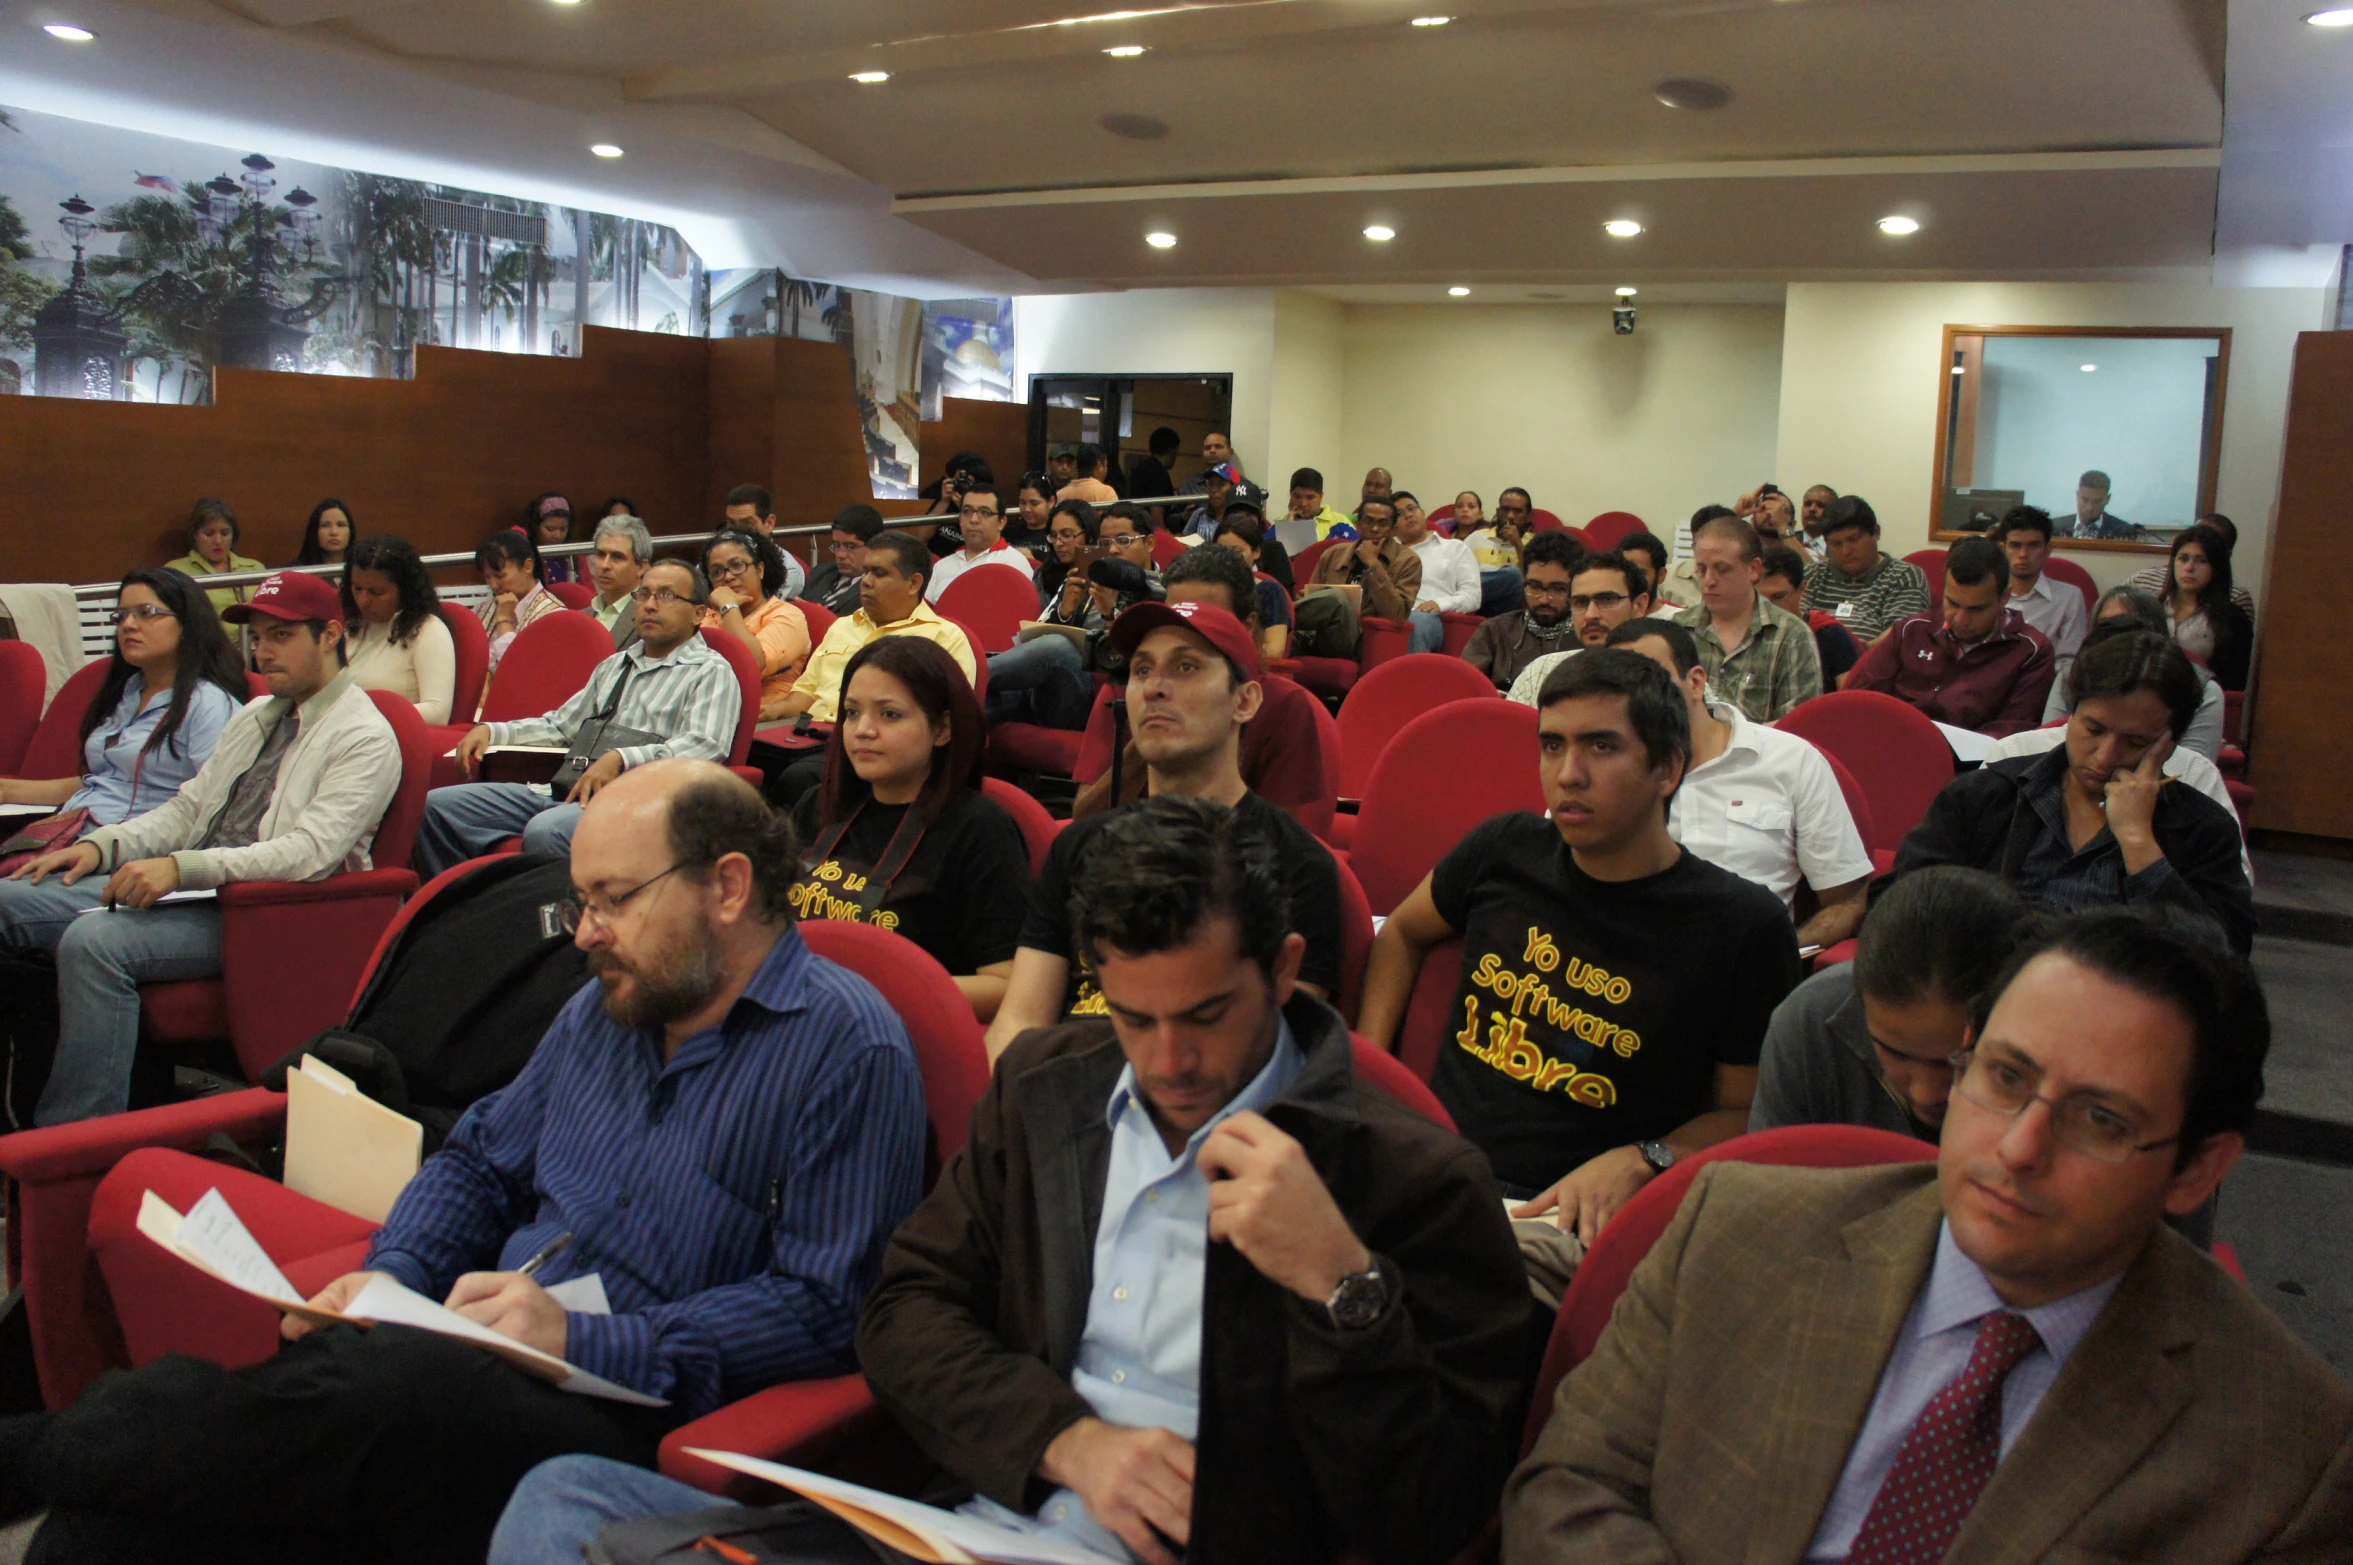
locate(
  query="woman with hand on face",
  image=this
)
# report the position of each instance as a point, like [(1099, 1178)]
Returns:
[(743, 568), (327, 536), (516, 576), (2206, 623), (393, 638), (900, 835), (212, 550)]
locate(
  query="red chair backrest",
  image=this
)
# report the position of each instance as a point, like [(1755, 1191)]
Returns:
[(1543, 521), (1443, 519), (1931, 563), (24, 680), (397, 833), (1392, 695), (1094, 745), (55, 749), (1897, 754), (1038, 829), (990, 603), (471, 643), (1356, 940), (948, 1047), (2234, 716), (1858, 805), (820, 618), (1602, 1275), (256, 687), (1381, 1069), (573, 594), (1430, 1018), (1442, 774), (1166, 546), (746, 664), (1303, 563), (2074, 576), (1606, 531), (547, 664), (1327, 739)]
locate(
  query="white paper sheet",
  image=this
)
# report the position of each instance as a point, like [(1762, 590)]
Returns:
[(386, 1302), (169, 899), (1967, 745), (583, 1295), (973, 1538), (211, 1236)]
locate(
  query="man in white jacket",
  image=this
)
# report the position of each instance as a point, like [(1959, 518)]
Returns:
[(294, 791)]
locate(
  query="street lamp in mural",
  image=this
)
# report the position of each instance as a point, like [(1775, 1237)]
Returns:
[(257, 328), (78, 342)]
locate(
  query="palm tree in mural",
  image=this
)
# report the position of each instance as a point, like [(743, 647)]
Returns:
[(21, 293), (841, 317), (792, 296)]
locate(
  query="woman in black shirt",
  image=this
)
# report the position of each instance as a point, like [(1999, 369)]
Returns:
[(899, 834)]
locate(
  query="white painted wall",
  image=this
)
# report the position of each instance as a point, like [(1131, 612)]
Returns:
[(1160, 331), (1306, 421)]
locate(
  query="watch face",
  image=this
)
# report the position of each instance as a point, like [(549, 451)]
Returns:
[(1358, 1301)]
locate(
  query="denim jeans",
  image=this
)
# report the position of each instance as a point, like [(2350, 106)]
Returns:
[(1042, 681), (471, 819), (562, 1504), (1428, 632), (1499, 590), (36, 917), (101, 961)]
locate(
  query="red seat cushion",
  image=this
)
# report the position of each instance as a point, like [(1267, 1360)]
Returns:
[(185, 1011)]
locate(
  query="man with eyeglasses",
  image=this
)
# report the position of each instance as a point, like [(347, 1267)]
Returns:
[(2003, 1354), (981, 519), (1505, 645), (835, 583), (1607, 591), (669, 696), (713, 1141)]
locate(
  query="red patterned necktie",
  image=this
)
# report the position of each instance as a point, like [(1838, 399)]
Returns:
[(1949, 1456)]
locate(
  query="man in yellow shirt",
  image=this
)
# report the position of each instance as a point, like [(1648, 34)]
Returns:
[(890, 603)]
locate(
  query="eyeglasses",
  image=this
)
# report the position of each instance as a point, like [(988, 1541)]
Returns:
[(718, 572), (1596, 600), (657, 597), (1122, 540), (1545, 589), (2080, 1124), (577, 908), (145, 614), (974, 513)]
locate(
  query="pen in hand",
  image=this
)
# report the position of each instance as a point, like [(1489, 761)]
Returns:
[(553, 1248)]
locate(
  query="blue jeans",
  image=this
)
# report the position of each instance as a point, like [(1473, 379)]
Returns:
[(1499, 590), (1428, 633), (1042, 681), (471, 819), (562, 1504)]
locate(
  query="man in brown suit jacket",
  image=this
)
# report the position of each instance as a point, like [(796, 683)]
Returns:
[(1388, 571), (1779, 1383)]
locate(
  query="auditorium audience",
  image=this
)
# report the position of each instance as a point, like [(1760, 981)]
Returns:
[(2050, 605), (1029, 527), (1047, 679), (394, 638), (1770, 512), (1061, 463), (1193, 687), (1615, 987), (2091, 518), (1330, 1358), (1680, 584), (2091, 823), (1977, 665), (744, 571), (1218, 485), (1784, 585), (1244, 532), (1388, 574), (624, 548), (1154, 474), (1507, 643), (1650, 552), (1867, 590), (1450, 574), (1071, 528), (618, 505), (2002, 1353), (1090, 474), (1307, 503), (899, 834), (727, 1126), (670, 695), (1872, 1041), (890, 603), (326, 536), (1217, 450), (1813, 515), (2153, 579), (1606, 592), (293, 790), (547, 521), (1758, 658), (516, 576), (980, 519), (1756, 801), (834, 584), (2130, 607), (752, 508), (212, 551), (2207, 624), (1499, 560), (1515, 515)]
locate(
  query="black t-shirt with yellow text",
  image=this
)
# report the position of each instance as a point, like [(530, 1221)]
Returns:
[(961, 897)]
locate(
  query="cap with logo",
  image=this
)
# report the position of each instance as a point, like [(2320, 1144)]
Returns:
[(1212, 624), (289, 595)]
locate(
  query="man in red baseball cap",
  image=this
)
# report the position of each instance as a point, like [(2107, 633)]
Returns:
[(293, 791), (1192, 687)]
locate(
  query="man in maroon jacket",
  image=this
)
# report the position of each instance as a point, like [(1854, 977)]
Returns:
[(1980, 666)]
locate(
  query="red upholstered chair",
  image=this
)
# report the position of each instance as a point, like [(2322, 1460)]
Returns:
[(1303, 563), (574, 594), (820, 618), (1166, 546), (472, 646), (2075, 576), (1382, 1070), (1385, 640), (1931, 562), (1445, 772), (24, 683), (1387, 698), (1897, 754), (547, 664), (1606, 531), (1038, 829), (990, 603), (1325, 820), (1430, 1018), (1543, 521), (1460, 628), (55, 748), (1030, 747), (746, 664), (1602, 1275), (1858, 805), (2234, 716), (1356, 940), (1442, 519)]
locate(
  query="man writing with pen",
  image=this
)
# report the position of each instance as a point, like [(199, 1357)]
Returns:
[(723, 1128)]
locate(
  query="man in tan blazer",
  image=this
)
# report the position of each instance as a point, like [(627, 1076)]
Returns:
[(2008, 1358)]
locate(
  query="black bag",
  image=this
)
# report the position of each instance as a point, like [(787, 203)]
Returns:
[(594, 739), (458, 1004), (28, 1030), (795, 1531)]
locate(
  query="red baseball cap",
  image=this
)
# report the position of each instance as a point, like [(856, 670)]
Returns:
[(1206, 620), (289, 595)]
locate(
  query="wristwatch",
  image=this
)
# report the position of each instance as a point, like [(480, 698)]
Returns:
[(1359, 1300), (1657, 1154)]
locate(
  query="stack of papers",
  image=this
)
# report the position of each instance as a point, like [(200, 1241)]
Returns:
[(345, 1148), (168, 899), (924, 1532)]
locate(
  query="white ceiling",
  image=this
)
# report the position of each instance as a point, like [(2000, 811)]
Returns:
[(2032, 138)]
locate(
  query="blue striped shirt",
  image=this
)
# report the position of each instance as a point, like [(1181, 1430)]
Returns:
[(735, 1200)]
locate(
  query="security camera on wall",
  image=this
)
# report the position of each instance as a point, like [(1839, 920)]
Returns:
[(1622, 320)]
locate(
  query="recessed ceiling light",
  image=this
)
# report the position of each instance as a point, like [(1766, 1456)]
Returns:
[(1621, 228), (1692, 92), (566, 2), (1899, 225), (1431, 21), (605, 149), (1125, 51), (1625, 293), (869, 78), (1459, 291), (2335, 16), (69, 32), (2088, 368), (1161, 239), (1380, 233)]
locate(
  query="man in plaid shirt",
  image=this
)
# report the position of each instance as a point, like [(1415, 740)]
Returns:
[(1759, 658)]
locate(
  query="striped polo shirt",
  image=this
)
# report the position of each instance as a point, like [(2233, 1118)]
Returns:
[(1867, 604)]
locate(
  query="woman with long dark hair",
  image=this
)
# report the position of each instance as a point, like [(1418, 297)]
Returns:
[(899, 833), (327, 536), (547, 521), (393, 638), (745, 570), (2206, 624), (517, 578), (173, 681), (212, 550)]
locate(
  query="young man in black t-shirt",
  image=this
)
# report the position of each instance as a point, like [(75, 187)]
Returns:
[(1615, 989), (1192, 687)]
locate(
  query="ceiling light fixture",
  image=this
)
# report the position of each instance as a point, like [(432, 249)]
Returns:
[(2088, 368), (1161, 239), (1458, 291), (1125, 51), (1960, 369), (605, 149), (565, 2), (1899, 225), (69, 32), (1380, 233), (1625, 293), (1621, 228), (1697, 93), (1431, 21), (869, 78), (2335, 16)]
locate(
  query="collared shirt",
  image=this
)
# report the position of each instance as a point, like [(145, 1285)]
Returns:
[(782, 631), (238, 825), (1492, 553), (2181, 761), (609, 614), (1530, 682), (1993, 686), (2056, 609), (1769, 809), (1773, 669), (1867, 604), (691, 696), (735, 1199), (1450, 574), (1930, 1353), (2058, 878), (946, 571), (121, 777), (821, 680), (1139, 1358), (1504, 647)]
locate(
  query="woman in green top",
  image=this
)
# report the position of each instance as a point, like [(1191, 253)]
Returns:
[(212, 550)]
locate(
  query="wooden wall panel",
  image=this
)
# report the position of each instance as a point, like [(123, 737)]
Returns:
[(997, 430), (2301, 757)]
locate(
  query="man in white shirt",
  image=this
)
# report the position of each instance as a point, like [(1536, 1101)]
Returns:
[(982, 521), (2055, 608), (1758, 802), (1450, 574), (624, 548)]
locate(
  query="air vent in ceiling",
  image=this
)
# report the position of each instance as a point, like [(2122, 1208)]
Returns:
[(1692, 92), (1135, 127)]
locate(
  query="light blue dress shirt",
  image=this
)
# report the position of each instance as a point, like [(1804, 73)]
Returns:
[(117, 781), (1139, 1359), (1930, 1353)]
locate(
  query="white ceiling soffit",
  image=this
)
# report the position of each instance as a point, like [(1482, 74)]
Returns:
[(2287, 147)]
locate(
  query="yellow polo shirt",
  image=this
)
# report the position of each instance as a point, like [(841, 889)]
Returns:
[(822, 679)]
